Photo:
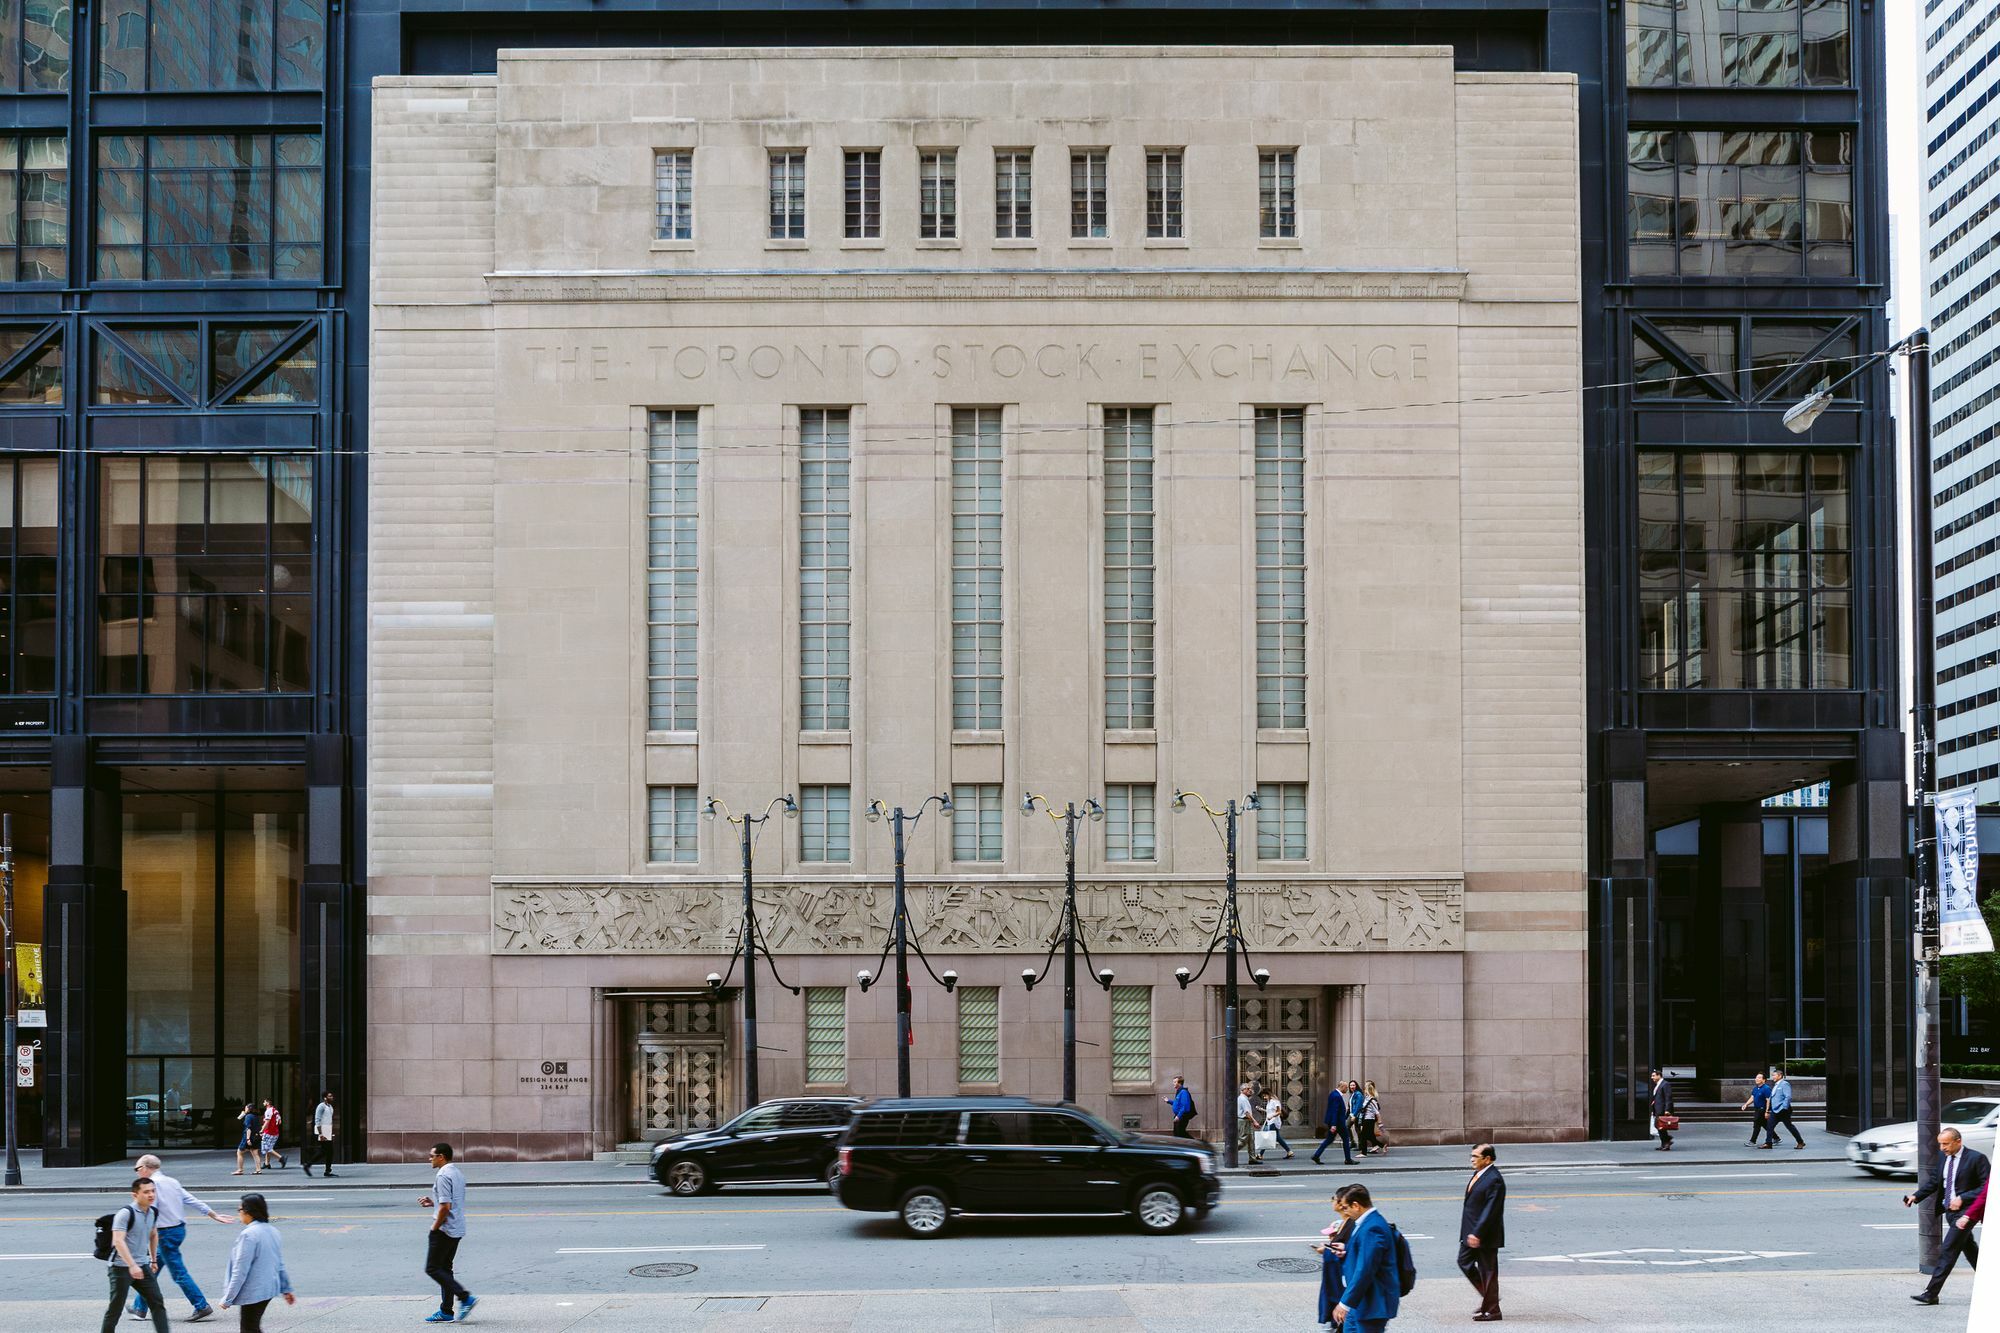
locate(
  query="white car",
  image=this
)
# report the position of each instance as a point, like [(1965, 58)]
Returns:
[(1891, 1150)]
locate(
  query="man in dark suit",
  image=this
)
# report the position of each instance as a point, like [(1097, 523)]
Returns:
[(1482, 1231), (1337, 1124), (1662, 1103), (1961, 1174)]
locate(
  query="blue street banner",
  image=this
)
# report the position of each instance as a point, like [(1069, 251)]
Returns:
[(1962, 928)]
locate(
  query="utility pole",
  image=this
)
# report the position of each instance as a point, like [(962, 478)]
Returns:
[(749, 938), (899, 933), (8, 970), (1917, 351), (1069, 929), (1228, 937)]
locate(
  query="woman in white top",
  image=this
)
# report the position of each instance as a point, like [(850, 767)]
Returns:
[(1274, 1120), (1371, 1122)]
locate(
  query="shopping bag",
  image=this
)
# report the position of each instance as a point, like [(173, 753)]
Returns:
[(1264, 1140)]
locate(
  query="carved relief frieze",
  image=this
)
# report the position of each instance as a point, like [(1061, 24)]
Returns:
[(1327, 916)]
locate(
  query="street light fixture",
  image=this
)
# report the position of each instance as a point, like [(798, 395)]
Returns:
[(899, 930), (1916, 351), (1069, 930), (1228, 936), (749, 937)]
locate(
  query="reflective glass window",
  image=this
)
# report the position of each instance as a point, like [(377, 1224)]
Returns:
[(34, 207), (34, 46), (211, 45), (210, 207), (1739, 203), (1737, 43), (28, 551)]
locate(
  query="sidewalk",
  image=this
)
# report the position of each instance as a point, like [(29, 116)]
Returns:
[(1697, 1145)]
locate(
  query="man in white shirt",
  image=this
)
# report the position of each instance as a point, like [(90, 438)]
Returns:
[(319, 1143), (174, 1203), (1246, 1121)]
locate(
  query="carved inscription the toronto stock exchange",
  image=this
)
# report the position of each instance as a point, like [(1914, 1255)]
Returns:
[(846, 918)]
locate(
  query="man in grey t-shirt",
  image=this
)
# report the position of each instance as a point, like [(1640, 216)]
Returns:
[(135, 1257), (447, 1196)]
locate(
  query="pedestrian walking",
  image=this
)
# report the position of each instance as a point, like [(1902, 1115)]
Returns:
[(1274, 1121), (1374, 1285), (257, 1273), (319, 1143), (1339, 1124), (1660, 1105), (134, 1264), (1371, 1121), (1331, 1251), (171, 1205), (447, 1196), (252, 1120), (1780, 1111), (1354, 1104), (1247, 1117), (1758, 1104), (1182, 1103), (1961, 1177), (268, 1132), (1482, 1232)]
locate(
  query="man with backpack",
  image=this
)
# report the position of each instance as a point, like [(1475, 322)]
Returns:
[(129, 1242), (1377, 1267), (171, 1206)]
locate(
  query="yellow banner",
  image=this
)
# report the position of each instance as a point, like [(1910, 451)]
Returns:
[(28, 962)]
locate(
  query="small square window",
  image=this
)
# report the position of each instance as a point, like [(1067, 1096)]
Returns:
[(673, 829)]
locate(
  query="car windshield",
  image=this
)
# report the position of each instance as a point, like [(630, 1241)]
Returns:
[(755, 1119), (1966, 1112)]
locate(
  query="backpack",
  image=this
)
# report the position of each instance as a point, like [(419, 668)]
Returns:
[(1406, 1263), (102, 1248)]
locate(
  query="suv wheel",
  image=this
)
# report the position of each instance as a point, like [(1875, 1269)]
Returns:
[(924, 1212), (1157, 1209), (685, 1178), (832, 1174)]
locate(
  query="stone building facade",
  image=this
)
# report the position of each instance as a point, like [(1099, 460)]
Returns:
[(869, 424)]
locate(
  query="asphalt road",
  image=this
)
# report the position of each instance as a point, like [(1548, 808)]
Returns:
[(1777, 1218)]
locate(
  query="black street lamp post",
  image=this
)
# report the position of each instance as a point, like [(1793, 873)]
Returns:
[(1229, 936), (750, 939), (899, 932), (1069, 929)]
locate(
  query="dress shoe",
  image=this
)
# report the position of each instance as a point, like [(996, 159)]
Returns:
[(1484, 1318), (1924, 1298)]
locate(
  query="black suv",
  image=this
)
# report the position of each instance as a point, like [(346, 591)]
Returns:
[(926, 1158), (792, 1139)]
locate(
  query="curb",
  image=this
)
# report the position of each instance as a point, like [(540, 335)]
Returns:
[(1266, 1173), (419, 1184)]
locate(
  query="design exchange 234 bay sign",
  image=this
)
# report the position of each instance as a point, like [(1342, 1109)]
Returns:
[(1345, 916)]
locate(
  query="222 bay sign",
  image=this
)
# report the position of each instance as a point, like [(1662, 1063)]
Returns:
[(853, 425)]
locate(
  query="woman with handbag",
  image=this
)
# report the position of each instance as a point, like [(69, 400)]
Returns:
[(1661, 1106), (1274, 1121), (1371, 1121)]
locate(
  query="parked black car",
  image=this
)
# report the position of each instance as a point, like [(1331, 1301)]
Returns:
[(793, 1139), (927, 1158)]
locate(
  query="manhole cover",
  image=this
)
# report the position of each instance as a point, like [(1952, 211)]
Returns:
[(1289, 1265), (663, 1270)]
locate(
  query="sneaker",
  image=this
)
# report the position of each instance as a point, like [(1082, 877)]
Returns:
[(465, 1306), (440, 1317), (205, 1312), (139, 1315)]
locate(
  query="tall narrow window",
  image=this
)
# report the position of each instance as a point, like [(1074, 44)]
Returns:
[(1277, 194), (1013, 194), (1281, 821), (1089, 193), (28, 602), (937, 195), (976, 613), (672, 569), (788, 194), (34, 207), (1128, 568), (825, 824), (1128, 822), (1281, 566), (977, 822), (673, 195), (673, 824), (825, 563), (826, 1035), (864, 193), (979, 1035), (1163, 194), (1131, 1034)]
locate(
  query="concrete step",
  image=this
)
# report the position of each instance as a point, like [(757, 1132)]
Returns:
[(1716, 1113), (636, 1154)]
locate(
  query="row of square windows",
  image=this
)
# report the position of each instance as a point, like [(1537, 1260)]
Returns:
[(978, 823), (937, 202)]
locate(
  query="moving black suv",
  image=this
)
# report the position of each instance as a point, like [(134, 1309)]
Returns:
[(927, 1158), (794, 1139)]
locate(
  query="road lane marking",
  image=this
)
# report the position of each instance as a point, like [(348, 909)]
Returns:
[(1281, 1240), (1888, 1226), (11, 1257), (1646, 1257), (654, 1249), (1725, 1175)]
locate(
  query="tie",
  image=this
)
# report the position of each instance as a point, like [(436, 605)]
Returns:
[(1950, 1178)]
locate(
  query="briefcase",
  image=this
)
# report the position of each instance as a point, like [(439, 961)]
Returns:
[(1669, 1123)]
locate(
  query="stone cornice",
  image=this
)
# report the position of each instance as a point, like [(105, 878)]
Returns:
[(1037, 284), (849, 917)]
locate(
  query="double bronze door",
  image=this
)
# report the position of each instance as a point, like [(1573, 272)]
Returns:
[(1291, 1066)]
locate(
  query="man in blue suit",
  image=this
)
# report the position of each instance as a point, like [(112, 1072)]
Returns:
[(1374, 1286), (1337, 1124)]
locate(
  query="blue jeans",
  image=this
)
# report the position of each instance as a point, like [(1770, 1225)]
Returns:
[(175, 1267)]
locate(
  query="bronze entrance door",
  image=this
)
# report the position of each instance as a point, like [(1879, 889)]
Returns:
[(1278, 1043), (677, 1068)]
